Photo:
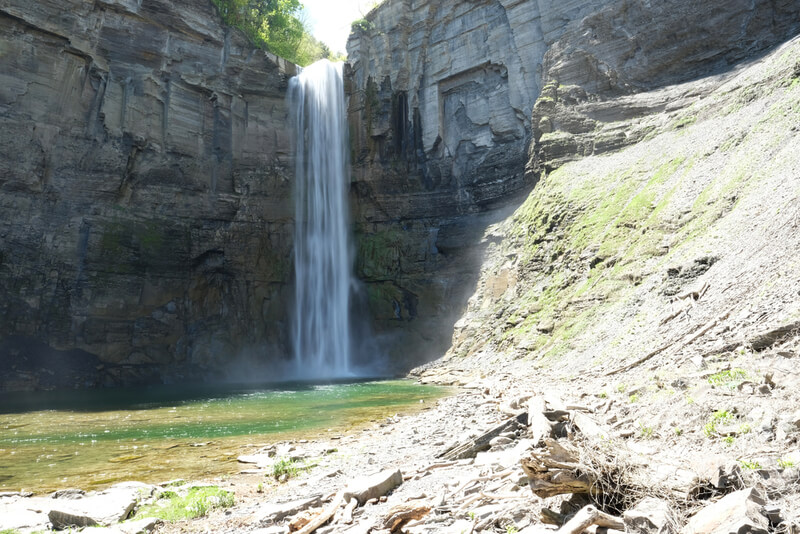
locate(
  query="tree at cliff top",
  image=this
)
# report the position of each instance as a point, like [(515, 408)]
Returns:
[(274, 25)]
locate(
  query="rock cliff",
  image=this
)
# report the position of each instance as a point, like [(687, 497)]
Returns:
[(144, 184), (458, 107)]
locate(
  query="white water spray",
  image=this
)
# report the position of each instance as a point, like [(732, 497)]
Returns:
[(322, 253)]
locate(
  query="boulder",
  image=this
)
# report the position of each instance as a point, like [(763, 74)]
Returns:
[(736, 513), (274, 512), (718, 471), (373, 486), (103, 509), (649, 516)]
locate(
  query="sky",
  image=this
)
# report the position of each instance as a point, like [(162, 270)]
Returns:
[(330, 20)]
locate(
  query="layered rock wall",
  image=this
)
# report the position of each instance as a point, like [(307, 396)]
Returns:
[(144, 190), (457, 107)]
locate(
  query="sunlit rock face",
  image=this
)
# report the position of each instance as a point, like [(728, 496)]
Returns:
[(441, 96), (145, 184)]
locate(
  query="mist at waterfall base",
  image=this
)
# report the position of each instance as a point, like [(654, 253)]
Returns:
[(330, 336)]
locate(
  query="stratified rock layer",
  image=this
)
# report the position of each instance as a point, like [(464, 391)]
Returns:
[(144, 188), (441, 100)]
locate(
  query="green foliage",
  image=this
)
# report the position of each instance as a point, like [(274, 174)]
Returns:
[(718, 417), (685, 121), (646, 432), (197, 502), (729, 378), (785, 463), (362, 25), (274, 25), (633, 398), (729, 440), (288, 467), (750, 464)]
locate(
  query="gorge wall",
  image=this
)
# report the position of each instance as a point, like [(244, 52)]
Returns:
[(458, 107), (145, 166), (145, 172)]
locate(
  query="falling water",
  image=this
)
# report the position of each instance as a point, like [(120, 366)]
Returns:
[(322, 257)]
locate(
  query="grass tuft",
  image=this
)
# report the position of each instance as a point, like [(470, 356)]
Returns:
[(197, 502)]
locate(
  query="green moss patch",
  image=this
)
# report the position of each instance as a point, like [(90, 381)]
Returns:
[(195, 502)]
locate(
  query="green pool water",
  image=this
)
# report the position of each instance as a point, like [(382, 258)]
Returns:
[(93, 439)]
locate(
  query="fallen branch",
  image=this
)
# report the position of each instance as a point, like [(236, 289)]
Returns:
[(694, 295), (503, 496), (706, 328), (401, 514), (588, 516), (500, 474), (672, 316), (662, 348), (437, 466), (323, 516), (347, 515)]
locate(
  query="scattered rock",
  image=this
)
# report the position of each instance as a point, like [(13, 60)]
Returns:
[(68, 494), (374, 486), (737, 512), (274, 512), (140, 526), (649, 516)]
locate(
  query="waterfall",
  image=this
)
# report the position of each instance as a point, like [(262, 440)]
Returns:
[(322, 253)]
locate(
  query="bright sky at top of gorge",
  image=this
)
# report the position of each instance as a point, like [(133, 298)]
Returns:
[(330, 20)]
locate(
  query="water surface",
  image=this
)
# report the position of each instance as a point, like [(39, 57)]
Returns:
[(91, 439)]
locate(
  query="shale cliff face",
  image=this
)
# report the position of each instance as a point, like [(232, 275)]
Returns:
[(458, 107), (145, 169), (144, 191)]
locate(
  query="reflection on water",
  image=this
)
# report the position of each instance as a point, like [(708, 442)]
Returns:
[(96, 438)]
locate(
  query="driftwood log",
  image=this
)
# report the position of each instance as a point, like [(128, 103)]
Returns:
[(323, 516), (588, 516), (401, 514), (555, 470)]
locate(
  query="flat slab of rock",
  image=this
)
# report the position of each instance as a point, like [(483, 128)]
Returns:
[(103, 509), (373, 486), (736, 513), (274, 512), (24, 513)]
